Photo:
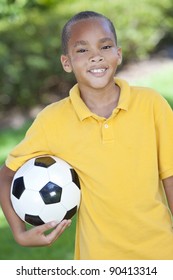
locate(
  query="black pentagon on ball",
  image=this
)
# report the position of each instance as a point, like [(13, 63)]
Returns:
[(33, 220), (51, 193), (70, 213), (75, 177), (44, 161), (18, 187)]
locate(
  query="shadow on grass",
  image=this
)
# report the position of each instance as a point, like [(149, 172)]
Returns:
[(62, 249)]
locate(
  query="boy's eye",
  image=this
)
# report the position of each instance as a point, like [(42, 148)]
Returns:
[(106, 47), (81, 50)]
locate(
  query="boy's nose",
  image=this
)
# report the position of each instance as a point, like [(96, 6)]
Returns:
[(96, 58)]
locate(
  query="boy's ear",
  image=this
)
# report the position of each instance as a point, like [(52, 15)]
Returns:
[(66, 63), (119, 52)]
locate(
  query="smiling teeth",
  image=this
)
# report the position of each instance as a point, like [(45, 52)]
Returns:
[(97, 70)]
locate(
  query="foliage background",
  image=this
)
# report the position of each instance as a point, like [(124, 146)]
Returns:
[(30, 44)]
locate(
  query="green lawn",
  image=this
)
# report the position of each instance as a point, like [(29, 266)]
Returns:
[(63, 248), (161, 80), (9, 138)]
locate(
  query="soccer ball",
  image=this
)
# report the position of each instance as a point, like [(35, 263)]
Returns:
[(44, 189)]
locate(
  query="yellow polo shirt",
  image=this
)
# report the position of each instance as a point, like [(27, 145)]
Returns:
[(120, 162)]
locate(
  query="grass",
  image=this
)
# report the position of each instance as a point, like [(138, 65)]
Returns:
[(9, 137), (161, 81), (63, 248)]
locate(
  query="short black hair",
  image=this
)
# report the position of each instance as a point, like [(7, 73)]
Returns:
[(65, 36)]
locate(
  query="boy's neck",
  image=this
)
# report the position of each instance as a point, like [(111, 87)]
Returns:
[(102, 103)]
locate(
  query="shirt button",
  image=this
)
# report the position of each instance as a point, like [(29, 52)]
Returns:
[(106, 125)]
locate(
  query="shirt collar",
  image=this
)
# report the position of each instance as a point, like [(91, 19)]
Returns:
[(80, 107), (124, 94), (83, 111)]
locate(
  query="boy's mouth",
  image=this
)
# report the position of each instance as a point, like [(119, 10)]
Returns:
[(100, 70)]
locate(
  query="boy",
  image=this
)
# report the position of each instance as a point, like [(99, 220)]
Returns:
[(120, 141)]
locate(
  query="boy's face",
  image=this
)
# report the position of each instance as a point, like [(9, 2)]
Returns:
[(93, 55)]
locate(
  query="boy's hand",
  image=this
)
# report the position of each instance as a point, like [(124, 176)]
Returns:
[(37, 236)]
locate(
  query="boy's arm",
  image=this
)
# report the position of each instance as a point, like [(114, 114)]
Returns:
[(168, 185), (35, 236)]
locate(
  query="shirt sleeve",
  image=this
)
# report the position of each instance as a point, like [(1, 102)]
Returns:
[(33, 144), (164, 136)]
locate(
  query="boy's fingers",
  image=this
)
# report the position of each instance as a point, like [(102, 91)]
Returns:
[(52, 236), (47, 226), (42, 238)]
